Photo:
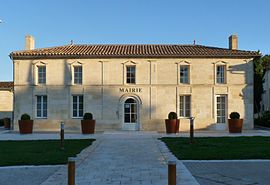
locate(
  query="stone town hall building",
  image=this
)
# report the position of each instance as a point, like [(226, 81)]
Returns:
[(133, 87)]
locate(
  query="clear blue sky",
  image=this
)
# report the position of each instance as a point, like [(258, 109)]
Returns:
[(56, 22)]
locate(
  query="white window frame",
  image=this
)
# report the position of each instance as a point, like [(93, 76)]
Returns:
[(125, 65), (185, 109), (223, 76), (77, 108), (186, 75), (71, 70), (35, 66), (41, 75), (226, 108), (79, 79), (42, 106), (130, 77)]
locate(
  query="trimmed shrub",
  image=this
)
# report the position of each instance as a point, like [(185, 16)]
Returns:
[(172, 115), (235, 115), (87, 116), (25, 117)]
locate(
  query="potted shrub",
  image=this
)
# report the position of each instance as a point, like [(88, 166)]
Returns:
[(25, 124), (88, 124), (172, 123), (235, 123)]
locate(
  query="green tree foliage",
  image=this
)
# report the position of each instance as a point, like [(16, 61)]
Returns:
[(261, 64)]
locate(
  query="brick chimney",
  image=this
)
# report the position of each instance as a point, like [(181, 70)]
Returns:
[(29, 42), (233, 42)]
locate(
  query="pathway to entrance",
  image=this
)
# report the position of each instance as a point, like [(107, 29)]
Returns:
[(124, 158)]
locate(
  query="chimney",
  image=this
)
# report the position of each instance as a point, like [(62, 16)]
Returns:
[(233, 42), (29, 42)]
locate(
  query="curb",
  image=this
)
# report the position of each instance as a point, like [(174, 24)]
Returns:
[(184, 177)]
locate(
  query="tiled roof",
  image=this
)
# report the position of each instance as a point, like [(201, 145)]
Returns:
[(132, 50), (6, 85)]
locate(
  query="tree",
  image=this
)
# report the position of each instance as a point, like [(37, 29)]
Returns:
[(261, 64)]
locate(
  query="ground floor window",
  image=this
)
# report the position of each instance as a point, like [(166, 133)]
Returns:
[(41, 106), (77, 106), (221, 108), (185, 102)]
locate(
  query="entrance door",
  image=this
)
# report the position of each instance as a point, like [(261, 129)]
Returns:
[(130, 115)]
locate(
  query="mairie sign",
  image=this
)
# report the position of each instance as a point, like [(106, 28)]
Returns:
[(130, 90)]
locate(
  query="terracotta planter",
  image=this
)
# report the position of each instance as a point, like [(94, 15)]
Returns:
[(7, 123), (88, 126), (26, 126), (235, 125), (172, 126)]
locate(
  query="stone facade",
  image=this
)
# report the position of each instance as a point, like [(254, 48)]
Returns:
[(156, 92), (6, 100)]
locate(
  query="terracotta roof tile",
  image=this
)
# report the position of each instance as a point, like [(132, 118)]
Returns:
[(6, 85), (135, 50)]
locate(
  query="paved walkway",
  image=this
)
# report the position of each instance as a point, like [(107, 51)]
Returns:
[(124, 159), (230, 172)]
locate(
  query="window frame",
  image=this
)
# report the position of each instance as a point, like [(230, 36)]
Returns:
[(186, 111), (41, 79), (77, 108), (79, 79), (221, 79), (225, 108), (42, 109), (130, 76), (187, 76)]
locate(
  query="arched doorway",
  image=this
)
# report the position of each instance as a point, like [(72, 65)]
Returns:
[(130, 121)]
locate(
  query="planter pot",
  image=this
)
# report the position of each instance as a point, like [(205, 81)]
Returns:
[(235, 125), (88, 126), (7, 123), (172, 126), (26, 126)]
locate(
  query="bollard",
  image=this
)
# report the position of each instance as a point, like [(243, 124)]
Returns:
[(171, 173), (62, 135), (191, 137), (71, 171)]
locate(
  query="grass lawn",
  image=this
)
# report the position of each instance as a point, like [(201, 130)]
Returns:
[(256, 147), (40, 152)]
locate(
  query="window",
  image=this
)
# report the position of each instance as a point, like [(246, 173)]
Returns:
[(131, 74), (220, 74), (41, 74), (77, 106), (221, 109), (185, 102), (41, 106), (77, 74), (184, 74)]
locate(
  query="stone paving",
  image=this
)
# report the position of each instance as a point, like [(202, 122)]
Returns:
[(26, 175), (243, 172), (124, 159)]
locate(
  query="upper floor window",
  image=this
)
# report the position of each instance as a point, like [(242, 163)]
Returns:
[(185, 102), (41, 74), (184, 74), (220, 74), (77, 106), (41, 107), (131, 75), (77, 74)]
